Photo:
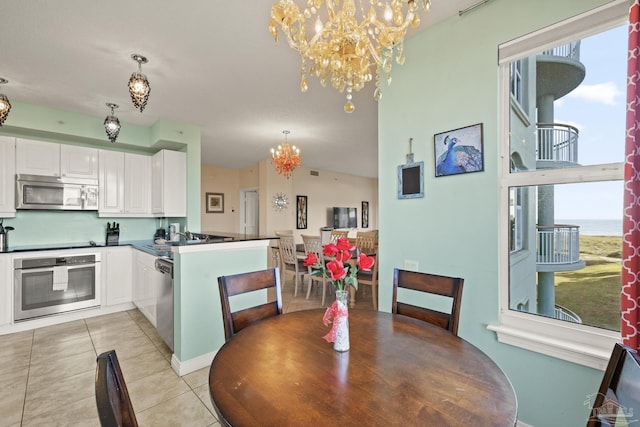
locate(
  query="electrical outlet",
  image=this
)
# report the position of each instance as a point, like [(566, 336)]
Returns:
[(410, 265)]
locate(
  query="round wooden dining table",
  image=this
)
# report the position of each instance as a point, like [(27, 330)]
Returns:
[(398, 371)]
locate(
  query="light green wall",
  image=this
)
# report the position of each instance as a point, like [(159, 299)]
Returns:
[(450, 80), (48, 124)]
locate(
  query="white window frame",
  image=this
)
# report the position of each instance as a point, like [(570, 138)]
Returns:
[(578, 343)]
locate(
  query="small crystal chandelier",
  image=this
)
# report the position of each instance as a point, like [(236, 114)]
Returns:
[(112, 124), (286, 157), (139, 88), (334, 46), (5, 105)]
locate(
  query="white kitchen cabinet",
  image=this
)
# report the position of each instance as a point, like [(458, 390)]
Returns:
[(111, 182), (117, 265), (137, 184), (37, 158), (78, 162), (146, 282), (6, 289), (169, 184), (7, 177)]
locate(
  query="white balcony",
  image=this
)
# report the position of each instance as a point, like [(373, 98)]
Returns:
[(558, 248), (557, 146)]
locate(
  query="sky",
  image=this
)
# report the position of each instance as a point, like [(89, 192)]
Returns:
[(597, 109)]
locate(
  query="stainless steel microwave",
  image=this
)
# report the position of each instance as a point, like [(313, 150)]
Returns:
[(46, 192)]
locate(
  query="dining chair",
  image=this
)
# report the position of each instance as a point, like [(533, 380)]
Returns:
[(336, 234), (432, 284), (313, 244), (290, 262), (244, 283), (112, 398), (618, 398), (367, 243)]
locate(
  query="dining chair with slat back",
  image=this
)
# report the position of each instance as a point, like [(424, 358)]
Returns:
[(367, 243), (336, 234), (244, 283), (291, 263), (433, 284), (618, 398), (313, 244), (112, 398)]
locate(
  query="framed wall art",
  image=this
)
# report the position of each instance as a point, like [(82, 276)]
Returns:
[(301, 212), (365, 214), (214, 202), (411, 180), (459, 151)]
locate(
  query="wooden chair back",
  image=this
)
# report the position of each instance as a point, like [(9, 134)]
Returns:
[(336, 234), (618, 399), (287, 247), (429, 283), (243, 283), (313, 244), (112, 397), (366, 242)]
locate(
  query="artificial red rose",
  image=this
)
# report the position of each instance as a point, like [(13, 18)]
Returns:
[(310, 260), (336, 269), (365, 262), (344, 245), (329, 250), (343, 256)]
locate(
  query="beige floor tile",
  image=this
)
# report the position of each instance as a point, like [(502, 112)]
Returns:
[(106, 337), (127, 348), (183, 410), (18, 336), (52, 397), (61, 332), (203, 394), (15, 354), (54, 349), (153, 389), (57, 368), (197, 378), (80, 413), (143, 365), (13, 385)]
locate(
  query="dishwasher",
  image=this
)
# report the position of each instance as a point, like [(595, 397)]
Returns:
[(164, 302)]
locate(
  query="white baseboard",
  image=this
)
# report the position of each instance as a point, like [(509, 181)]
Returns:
[(191, 365), (521, 424)]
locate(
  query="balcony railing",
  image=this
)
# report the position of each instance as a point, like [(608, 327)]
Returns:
[(569, 50), (557, 142), (558, 244), (562, 313)]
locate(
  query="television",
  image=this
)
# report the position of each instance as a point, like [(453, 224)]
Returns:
[(344, 218)]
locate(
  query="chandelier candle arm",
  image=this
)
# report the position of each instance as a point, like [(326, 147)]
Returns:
[(286, 157), (335, 46), (5, 105)]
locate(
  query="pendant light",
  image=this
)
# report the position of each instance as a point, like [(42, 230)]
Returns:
[(139, 88), (112, 124)]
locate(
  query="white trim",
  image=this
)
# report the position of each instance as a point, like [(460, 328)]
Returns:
[(521, 424), (191, 365)]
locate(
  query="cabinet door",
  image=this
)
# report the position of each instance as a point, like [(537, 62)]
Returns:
[(118, 265), (6, 285), (78, 162), (137, 184), (37, 158), (7, 177), (157, 183), (111, 182), (169, 182)]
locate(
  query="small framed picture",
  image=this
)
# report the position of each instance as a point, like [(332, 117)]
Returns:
[(365, 214), (301, 212), (459, 151), (215, 202)]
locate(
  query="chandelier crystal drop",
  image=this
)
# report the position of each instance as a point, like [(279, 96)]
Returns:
[(139, 88), (112, 124), (344, 40), (286, 157), (5, 105)]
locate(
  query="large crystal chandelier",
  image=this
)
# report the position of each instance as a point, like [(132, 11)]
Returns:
[(334, 46), (139, 87), (286, 157), (5, 105)]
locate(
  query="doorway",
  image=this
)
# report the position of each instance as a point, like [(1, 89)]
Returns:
[(249, 211)]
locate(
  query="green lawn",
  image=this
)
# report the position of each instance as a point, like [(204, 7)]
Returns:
[(594, 292)]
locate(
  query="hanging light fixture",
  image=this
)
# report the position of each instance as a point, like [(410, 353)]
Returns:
[(5, 105), (286, 157), (112, 124), (334, 46), (139, 84)]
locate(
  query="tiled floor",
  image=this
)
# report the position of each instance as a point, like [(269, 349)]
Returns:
[(47, 374)]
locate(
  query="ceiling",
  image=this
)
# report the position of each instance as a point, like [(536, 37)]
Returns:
[(212, 64)]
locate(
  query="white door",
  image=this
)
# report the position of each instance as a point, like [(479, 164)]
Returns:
[(249, 220)]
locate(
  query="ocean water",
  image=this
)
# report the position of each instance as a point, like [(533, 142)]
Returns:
[(595, 227)]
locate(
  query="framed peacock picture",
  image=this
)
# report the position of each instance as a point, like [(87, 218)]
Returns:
[(459, 151)]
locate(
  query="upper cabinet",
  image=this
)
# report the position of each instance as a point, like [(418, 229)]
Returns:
[(169, 184), (137, 184), (111, 182), (56, 160), (7, 177), (37, 158)]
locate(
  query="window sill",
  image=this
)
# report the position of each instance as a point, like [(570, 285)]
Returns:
[(580, 344)]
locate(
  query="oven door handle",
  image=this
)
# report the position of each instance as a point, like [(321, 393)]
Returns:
[(34, 270)]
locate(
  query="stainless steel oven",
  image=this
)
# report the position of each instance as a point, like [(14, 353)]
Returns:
[(55, 284)]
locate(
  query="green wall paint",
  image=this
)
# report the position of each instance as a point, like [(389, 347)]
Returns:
[(450, 80)]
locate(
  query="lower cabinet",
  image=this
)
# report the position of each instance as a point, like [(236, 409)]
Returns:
[(6, 285), (146, 281), (117, 264)]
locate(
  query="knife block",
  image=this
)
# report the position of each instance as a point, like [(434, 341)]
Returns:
[(112, 237)]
